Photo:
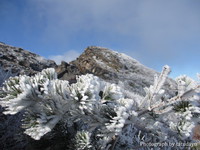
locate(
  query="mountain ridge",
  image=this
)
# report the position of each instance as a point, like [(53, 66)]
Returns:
[(20, 61), (107, 64), (118, 68)]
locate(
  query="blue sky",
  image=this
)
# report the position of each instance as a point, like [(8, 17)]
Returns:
[(155, 32)]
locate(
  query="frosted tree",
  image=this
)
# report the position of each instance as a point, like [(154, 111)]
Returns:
[(107, 118)]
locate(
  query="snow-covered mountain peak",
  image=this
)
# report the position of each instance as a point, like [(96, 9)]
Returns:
[(116, 68)]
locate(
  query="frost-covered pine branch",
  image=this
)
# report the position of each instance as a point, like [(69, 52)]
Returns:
[(82, 140), (110, 120), (154, 92)]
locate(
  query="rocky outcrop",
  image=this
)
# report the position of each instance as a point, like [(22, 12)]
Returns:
[(67, 71), (118, 68), (19, 61)]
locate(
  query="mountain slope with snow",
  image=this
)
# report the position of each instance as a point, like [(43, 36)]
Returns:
[(118, 68), (20, 61)]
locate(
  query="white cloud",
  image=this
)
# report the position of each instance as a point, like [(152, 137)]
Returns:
[(157, 24), (67, 57), (157, 31)]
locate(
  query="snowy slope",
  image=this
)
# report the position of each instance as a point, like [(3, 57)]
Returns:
[(118, 68), (20, 61)]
